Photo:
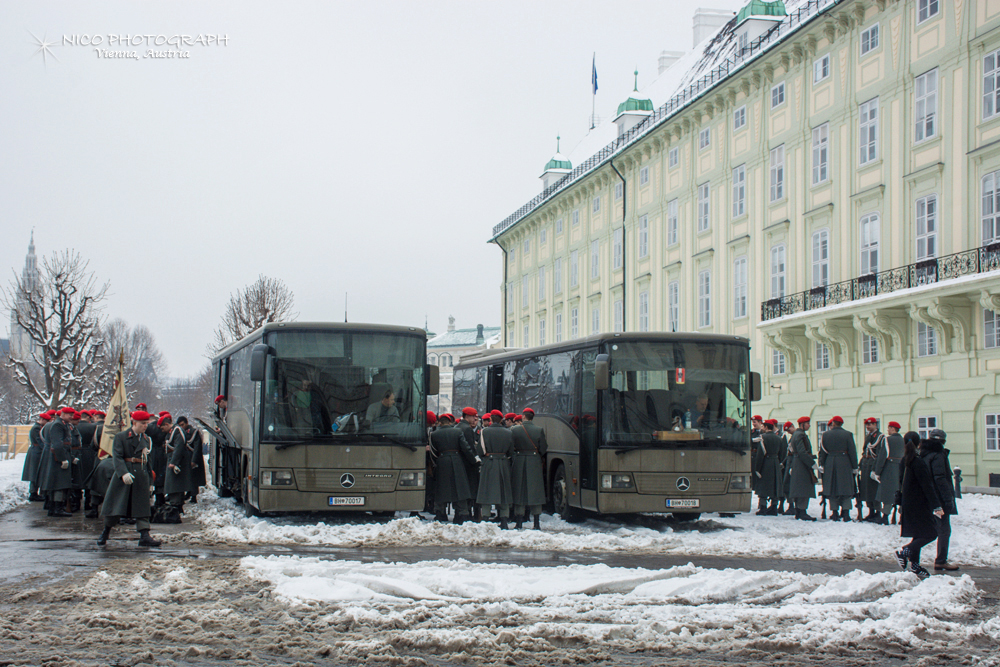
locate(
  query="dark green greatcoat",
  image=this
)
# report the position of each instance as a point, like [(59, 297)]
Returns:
[(198, 475), (769, 465), (131, 500), (454, 459), (527, 484), (787, 460), (42, 471), (472, 470), (838, 457), (30, 471), (887, 468), (183, 460), (494, 478), (101, 479), (60, 444), (802, 485), (158, 455), (869, 487), (88, 455)]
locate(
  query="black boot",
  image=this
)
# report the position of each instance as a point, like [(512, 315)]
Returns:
[(519, 525), (103, 539), (145, 540), (845, 515), (781, 507), (441, 518), (57, 510), (91, 513), (802, 516), (504, 525), (538, 525)]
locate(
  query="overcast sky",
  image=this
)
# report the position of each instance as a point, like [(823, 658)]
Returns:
[(365, 147)]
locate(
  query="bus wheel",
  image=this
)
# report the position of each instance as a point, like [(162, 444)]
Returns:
[(684, 517), (248, 508), (560, 497)]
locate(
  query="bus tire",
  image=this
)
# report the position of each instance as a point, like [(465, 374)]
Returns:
[(684, 517), (248, 508), (560, 497)]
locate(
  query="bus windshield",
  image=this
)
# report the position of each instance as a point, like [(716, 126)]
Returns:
[(337, 386), (677, 395)]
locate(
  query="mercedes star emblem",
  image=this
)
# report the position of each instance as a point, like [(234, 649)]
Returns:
[(347, 480), (683, 484)]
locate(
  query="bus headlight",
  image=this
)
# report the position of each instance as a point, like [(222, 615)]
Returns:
[(280, 478), (616, 481), (739, 483), (411, 479)]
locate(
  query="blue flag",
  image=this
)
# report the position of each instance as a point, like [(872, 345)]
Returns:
[(594, 75)]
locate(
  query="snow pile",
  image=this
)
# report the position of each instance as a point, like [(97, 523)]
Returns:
[(13, 491), (975, 536), (453, 606)]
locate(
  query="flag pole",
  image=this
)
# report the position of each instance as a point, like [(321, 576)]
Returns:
[(593, 80)]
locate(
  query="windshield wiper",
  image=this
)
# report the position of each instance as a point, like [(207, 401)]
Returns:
[(386, 438), (286, 445)]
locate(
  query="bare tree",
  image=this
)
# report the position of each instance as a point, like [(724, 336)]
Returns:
[(17, 406), (191, 397), (267, 300), (144, 363), (60, 315)]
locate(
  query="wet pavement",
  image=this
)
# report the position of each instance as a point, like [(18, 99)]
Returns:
[(34, 544)]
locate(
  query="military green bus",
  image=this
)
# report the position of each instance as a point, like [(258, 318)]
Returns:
[(635, 422), (324, 417)]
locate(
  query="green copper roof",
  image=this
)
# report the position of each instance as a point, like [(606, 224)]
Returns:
[(761, 8), (634, 102), (558, 160)]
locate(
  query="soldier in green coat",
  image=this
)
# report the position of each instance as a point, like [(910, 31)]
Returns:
[(30, 471), (180, 472), (527, 483), (838, 463), (868, 487), (886, 472), (803, 482), (59, 473), (130, 488), (494, 478), (768, 468), (454, 456)]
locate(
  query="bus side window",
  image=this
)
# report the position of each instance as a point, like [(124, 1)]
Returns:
[(588, 422)]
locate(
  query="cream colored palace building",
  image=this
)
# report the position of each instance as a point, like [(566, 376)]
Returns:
[(822, 178)]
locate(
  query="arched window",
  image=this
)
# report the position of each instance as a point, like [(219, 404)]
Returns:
[(432, 359)]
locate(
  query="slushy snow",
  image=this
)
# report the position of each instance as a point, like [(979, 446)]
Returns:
[(975, 538), (452, 604)]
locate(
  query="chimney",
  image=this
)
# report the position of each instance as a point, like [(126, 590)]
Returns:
[(706, 22), (480, 339), (451, 323), (667, 59)]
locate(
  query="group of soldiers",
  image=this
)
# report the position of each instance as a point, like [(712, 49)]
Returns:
[(786, 469), (67, 470), (480, 463)]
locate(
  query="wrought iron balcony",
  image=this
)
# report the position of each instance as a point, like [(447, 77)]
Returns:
[(924, 272)]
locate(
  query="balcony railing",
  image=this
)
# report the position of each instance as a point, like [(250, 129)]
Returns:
[(723, 58), (924, 272)]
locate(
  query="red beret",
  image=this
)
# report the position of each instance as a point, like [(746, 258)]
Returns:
[(469, 412), (528, 410), (871, 420), (787, 424), (220, 397), (140, 406), (141, 416), (803, 420), (164, 418), (46, 416), (446, 416), (496, 413), (509, 415), (518, 418), (77, 415), (895, 425), (431, 418), (67, 411), (99, 413), (163, 412), (837, 419), (758, 418), (772, 422)]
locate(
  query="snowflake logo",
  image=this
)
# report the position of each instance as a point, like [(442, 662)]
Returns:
[(44, 47)]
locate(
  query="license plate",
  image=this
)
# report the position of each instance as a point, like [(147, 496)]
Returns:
[(347, 500), (683, 502)]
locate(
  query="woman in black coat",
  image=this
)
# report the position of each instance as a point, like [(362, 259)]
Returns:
[(934, 454), (919, 504)]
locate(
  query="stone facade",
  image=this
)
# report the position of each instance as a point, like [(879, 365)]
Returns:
[(835, 197)]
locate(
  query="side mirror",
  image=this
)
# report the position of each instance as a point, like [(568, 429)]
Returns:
[(258, 361), (754, 386), (601, 373), (433, 380)]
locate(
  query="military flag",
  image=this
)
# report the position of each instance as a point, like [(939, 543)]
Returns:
[(117, 419)]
